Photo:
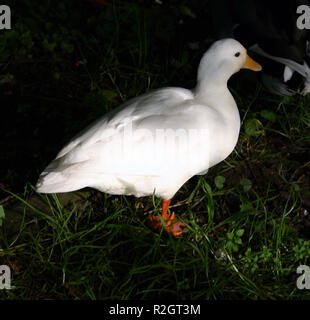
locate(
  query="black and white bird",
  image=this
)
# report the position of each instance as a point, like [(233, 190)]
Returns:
[(269, 29)]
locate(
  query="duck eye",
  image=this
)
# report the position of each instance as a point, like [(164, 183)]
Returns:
[(237, 54)]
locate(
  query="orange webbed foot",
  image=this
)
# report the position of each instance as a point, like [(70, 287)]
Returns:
[(171, 225)]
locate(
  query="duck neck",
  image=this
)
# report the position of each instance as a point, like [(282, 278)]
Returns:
[(212, 91), (211, 88), (212, 82)]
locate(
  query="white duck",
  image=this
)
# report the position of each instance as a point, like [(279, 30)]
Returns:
[(154, 143)]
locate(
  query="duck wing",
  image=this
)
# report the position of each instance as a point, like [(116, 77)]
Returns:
[(82, 159)]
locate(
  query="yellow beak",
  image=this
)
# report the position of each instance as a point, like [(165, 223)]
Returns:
[(251, 64)]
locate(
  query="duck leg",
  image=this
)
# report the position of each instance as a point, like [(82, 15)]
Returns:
[(171, 225)]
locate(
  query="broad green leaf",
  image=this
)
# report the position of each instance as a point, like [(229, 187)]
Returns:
[(219, 181), (230, 235), (247, 184), (252, 127), (240, 232), (268, 115)]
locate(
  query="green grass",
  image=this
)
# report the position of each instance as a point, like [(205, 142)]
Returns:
[(247, 218)]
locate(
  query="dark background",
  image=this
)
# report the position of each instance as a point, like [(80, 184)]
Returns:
[(65, 63)]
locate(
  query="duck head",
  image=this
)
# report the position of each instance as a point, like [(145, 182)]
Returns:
[(224, 58)]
